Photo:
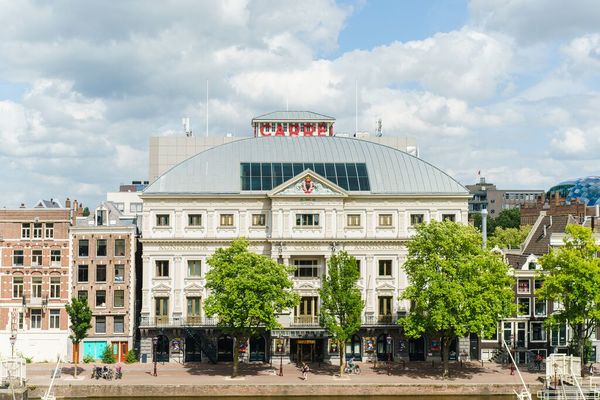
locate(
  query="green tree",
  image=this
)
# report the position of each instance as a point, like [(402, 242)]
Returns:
[(341, 304), (508, 238), (108, 357), (80, 316), (508, 218), (86, 212), (247, 291), (571, 276), (455, 287)]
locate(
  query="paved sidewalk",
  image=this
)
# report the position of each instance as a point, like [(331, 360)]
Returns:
[(415, 373)]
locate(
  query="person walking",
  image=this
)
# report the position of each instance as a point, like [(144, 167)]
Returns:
[(305, 370)]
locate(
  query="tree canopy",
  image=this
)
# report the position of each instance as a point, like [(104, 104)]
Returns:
[(455, 286), (571, 276), (247, 291), (508, 218), (508, 238), (81, 318), (341, 303)]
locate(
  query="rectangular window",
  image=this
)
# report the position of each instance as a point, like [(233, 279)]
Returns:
[(538, 333), (25, 231), (162, 220), (101, 217), (101, 248), (540, 308), (55, 287), (100, 298), (306, 268), (100, 324), (537, 284), (194, 219), (193, 308), (226, 220), (119, 247), (449, 217), (523, 306), (259, 220), (37, 231), (54, 319), (416, 219), (100, 273), (120, 206), (82, 273), (18, 257), (507, 332), (385, 309), (385, 267), (307, 219), (36, 287), (558, 335), (194, 268), (161, 310), (49, 231), (307, 311), (353, 220), (36, 258), (135, 207), (84, 248), (55, 257), (119, 298), (17, 287), (523, 286), (118, 324), (36, 319), (21, 319), (493, 336), (82, 294), (385, 219), (162, 268), (119, 273)]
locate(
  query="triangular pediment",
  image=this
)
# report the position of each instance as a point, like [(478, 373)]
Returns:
[(194, 287), (385, 286), (308, 184), (161, 287)]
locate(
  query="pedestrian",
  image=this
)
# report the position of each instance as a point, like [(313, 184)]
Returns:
[(305, 370), (538, 361)]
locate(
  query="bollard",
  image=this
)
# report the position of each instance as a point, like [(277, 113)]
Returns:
[(461, 364), (481, 363), (432, 364)]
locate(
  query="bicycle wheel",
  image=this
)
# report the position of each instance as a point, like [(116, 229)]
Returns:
[(357, 370)]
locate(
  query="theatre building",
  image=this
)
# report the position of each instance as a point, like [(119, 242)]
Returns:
[(297, 199)]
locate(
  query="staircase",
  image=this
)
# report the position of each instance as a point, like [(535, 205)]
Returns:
[(207, 347)]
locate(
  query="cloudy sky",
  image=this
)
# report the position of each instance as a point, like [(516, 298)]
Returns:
[(508, 87)]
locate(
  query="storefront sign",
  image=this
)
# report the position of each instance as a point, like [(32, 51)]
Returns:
[(333, 346), (369, 344), (294, 129), (176, 345), (279, 346), (435, 345)]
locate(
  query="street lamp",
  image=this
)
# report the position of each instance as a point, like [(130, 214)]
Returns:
[(280, 349), (13, 340), (389, 351), (154, 344)]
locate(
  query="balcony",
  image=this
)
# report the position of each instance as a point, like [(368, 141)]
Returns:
[(167, 322), (35, 302), (380, 320), (305, 320)]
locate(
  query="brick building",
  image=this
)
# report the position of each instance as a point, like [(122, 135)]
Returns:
[(103, 249), (34, 280)]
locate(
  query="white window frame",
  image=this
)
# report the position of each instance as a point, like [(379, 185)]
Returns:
[(162, 220), (53, 287), (302, 219), (38, 313), (36, 288), (38, 230), (195, 217), (96, 325), (519, 306), (414, 214), (385, 216), (25, 231), (54, 319), (115, 324), (194, 260), (544, 333), (259, 220), (37, 258), (226, 220), (535, 301), (353, 220), (519, 291), (49, 230)]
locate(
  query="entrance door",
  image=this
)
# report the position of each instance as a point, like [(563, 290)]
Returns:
[(120, 351), (416, 349), (225, 348), (193, 351), (474, 346), (384, 352), (258, 349), (162, 349), (124, 350), (354, 349)]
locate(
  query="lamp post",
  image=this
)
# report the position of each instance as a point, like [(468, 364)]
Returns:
[(13, 340), (280, 356), (154, 344), (389, 351)]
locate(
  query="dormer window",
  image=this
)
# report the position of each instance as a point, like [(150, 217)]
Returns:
[(531, 266), (100, 217)]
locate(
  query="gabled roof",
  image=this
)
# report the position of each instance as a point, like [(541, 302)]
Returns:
[(539, 242), (292, 116), (52, 203)]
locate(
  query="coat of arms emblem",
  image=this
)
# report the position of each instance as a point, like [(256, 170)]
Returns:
[(308, 185)]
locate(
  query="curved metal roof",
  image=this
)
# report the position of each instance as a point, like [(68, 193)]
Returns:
[(391, 171)]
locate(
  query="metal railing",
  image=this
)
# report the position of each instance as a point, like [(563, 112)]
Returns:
[(166, 321), (380, 319)]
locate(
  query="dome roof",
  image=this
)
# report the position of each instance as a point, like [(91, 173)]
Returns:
[(586, 190), (390, 171)]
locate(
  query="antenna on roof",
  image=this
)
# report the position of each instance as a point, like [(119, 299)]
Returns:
[(355, 107), (185, 121), (207, 108), (379, 128)]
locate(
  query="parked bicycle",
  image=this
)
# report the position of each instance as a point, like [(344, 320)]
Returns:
[(96, 372), (118, 372), (351, 367)]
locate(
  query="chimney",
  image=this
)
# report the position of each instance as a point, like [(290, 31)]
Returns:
[(556, 198), (22, 205), (68, 203), (74, 212)]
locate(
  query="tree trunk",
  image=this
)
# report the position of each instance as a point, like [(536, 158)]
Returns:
[(581, 347), (76, 358), (445, 354), (342, 351), (236, 356)]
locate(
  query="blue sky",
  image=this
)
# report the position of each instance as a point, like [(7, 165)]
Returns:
[(508, 87)]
